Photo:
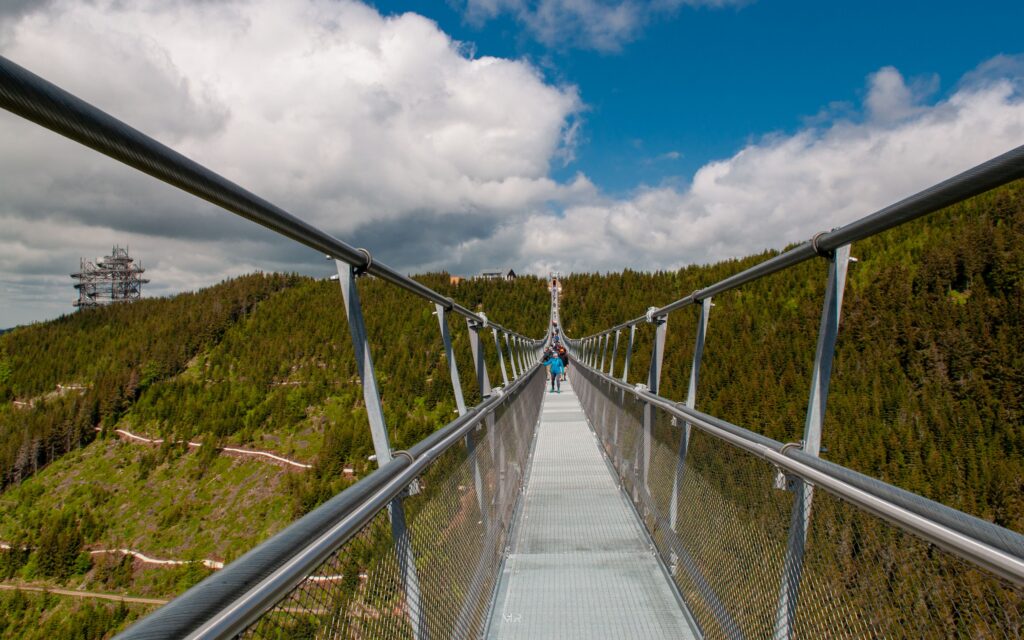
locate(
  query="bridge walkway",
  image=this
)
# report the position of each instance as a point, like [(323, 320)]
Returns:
[(581, 564)]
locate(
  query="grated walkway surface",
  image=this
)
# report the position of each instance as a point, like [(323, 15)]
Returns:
[(580, 565)]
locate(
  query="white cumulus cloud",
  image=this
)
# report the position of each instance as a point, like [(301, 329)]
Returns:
[(325, 107), (785, 188)]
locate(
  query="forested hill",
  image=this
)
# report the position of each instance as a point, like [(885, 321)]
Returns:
[(263, 362), (246, 358), (927, 392), (928, 381)]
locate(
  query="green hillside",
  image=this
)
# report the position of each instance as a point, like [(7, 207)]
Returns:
[(263, 362), (927, 392), (928, 381)]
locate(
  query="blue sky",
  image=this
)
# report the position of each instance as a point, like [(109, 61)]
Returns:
[(702, 81), (570, 135)]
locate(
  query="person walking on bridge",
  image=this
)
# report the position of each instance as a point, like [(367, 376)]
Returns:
[(554, 363), (564, 355)]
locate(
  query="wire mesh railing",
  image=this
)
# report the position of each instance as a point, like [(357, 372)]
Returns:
[(357, 567), (890, 563), (722, 528), (404, 586), (459, 512)]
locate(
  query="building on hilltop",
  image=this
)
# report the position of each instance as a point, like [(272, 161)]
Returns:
[(497, 274), (109, 279)]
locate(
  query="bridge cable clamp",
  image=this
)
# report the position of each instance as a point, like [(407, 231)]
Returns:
[(786, 481), (483, 319), (824, 253), (360, 270), (413, 487), (403, 454), (650, 314)]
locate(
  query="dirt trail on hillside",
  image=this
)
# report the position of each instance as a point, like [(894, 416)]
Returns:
[(82, 594), (128, 435)]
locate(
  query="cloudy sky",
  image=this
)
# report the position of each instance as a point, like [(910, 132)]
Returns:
[(567, 134)]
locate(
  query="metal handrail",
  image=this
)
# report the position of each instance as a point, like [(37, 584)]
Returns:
[(227, 602), (35, 99), (988, 175), (995, 548)]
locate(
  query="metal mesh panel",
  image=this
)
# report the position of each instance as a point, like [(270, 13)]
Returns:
[(861, 577), (458, 514)]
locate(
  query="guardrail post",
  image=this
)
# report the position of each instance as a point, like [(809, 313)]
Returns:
[(622, 395), (514, 350), (691, 400), (484, 382), (615, 352), (381, 444), (453, 366), (653, 378), (460, 402), (629, 353), (501, 357), (478, 357), (511, 357), (803, 493), (604, 352)]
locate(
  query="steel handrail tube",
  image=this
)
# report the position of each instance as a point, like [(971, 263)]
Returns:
[(189, 610), (44, 103), (996, 549), (988, 175), (214, 609)]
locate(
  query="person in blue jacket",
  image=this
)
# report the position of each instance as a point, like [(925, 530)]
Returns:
[(554, 363)]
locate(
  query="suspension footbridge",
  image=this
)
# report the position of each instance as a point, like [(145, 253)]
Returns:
[(605, 511)]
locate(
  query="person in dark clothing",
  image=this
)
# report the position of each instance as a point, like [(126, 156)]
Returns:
[(564, 356)]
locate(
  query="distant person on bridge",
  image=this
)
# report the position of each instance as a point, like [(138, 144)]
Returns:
[(554, 363)]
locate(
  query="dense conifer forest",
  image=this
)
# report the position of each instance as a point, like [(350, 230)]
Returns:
[(927, 392), (928, 382), (262, 362)]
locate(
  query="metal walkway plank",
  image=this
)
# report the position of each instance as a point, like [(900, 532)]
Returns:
[(580, 565)]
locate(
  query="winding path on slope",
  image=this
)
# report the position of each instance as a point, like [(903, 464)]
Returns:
[(128, 435), (82, 594)]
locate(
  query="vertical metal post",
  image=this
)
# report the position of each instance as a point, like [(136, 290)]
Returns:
[(484, 385), (517, 353), (604, 352), (653, 378), (511, 357), (478, 357), (622, 396), (501, 357), (803, 494), (691, 400), (629, 352), (381, 443), (615, 352), (453, 367)]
